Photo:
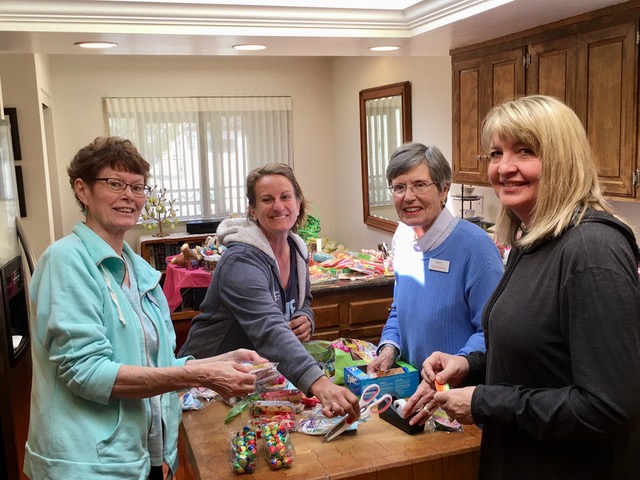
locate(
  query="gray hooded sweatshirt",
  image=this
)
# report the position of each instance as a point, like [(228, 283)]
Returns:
[(245, 305)]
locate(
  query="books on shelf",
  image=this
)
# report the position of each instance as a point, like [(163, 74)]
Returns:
[(155, 251)]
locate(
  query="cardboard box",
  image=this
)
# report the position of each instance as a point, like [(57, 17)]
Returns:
[(404, 383)]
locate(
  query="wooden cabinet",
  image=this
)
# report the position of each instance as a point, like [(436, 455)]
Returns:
[(478, 85), (352, 309), (552, 69), (590, 63), (181, 324), (607, 103)]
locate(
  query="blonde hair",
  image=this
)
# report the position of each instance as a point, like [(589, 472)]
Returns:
[(568, 182)]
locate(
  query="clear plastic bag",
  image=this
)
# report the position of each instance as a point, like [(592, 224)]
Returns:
[(263, 412), (439, 420), (277, 446), (243, 450)]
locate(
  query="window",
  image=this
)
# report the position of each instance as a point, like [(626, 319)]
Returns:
[(384, 124), (202, 148)]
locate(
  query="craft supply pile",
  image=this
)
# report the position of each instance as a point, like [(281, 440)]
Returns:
[(328, 260), (276, 410)]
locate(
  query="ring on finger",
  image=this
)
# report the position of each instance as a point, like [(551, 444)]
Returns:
[(425, 409)]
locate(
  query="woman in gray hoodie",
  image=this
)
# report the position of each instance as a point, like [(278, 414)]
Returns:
[(259, 296)]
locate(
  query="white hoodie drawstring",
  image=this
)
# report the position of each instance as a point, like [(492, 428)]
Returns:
[(114, 298)]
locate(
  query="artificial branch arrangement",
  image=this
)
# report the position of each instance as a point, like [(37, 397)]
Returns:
[(158, 211)]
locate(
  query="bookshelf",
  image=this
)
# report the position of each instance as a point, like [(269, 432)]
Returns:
[(155, 250)]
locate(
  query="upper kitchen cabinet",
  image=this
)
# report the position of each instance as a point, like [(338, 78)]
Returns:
[(607, 103), (479, 84), (552, 68), (590, 62)]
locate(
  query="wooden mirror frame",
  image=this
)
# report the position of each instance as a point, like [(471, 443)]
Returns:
[(403, 89)]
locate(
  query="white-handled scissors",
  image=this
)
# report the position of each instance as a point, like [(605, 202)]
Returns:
[(369, 403)]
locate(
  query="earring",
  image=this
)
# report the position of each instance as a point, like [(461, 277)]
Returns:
[(444, 202)]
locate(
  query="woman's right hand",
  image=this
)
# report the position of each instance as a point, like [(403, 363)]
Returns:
[(335, 400), (420, 404), (229, 379), (444, 368)]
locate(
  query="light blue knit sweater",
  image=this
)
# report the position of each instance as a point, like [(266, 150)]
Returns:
[(439, 294)]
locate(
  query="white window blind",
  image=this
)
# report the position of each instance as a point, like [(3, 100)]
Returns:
[(202, 148), (384, 124)]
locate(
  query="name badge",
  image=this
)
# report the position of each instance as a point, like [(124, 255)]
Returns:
[(439, 265)]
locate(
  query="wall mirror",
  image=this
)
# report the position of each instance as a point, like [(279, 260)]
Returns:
[(385, 124)]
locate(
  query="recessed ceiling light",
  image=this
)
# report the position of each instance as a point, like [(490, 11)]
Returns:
[(96, 44), (384, 48), (246, 48)]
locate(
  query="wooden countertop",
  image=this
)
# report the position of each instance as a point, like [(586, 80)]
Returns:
[(378, 451)]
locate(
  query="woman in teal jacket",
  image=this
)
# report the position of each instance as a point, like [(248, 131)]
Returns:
[(103, 402)]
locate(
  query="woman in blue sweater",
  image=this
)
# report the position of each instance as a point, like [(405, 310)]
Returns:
[(445, 269)]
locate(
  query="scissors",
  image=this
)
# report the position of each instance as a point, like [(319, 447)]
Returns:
[(369, 403)]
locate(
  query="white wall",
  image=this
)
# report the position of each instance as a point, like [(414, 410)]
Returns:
[(80, 81), (24, 84), (325, 105), (431, 107)]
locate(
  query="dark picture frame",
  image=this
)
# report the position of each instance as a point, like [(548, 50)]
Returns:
[(22, 203), (11, 114)]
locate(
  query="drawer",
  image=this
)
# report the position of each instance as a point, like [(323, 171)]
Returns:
[(327, 316), (369, 312)]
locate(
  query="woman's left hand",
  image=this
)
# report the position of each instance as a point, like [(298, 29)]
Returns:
[(301, 326), (241, 355), (421, 403), (457, 403)]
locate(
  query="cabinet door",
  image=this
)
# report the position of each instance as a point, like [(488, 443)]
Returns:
[(552, 70), (468, 112), (606, 93), (478, 85), (506, 76)]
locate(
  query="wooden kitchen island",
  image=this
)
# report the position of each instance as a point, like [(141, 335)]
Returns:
[(378, 451)]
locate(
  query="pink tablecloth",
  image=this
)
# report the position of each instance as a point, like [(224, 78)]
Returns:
[(178, 278)]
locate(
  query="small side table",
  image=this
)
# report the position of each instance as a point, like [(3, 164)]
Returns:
[(178, 278)]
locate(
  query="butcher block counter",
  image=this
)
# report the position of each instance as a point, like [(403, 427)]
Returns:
[(377, 451)]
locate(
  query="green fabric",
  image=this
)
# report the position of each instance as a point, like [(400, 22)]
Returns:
[(342, 360)]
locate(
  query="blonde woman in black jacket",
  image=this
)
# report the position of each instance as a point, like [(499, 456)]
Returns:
[(558, 391)]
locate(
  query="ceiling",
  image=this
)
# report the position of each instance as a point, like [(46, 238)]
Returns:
[(287, 27)]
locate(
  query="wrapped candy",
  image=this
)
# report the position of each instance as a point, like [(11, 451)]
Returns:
[(243, 450), (277, 446)]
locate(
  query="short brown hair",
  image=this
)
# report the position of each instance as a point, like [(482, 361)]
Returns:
[(114, 152)]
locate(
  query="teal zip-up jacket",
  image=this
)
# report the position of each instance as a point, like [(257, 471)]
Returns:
[(82, 331)]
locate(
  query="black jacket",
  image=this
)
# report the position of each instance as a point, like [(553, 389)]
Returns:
[(561, 393)]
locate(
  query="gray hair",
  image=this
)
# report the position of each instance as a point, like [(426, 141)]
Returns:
[(412, 154)]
